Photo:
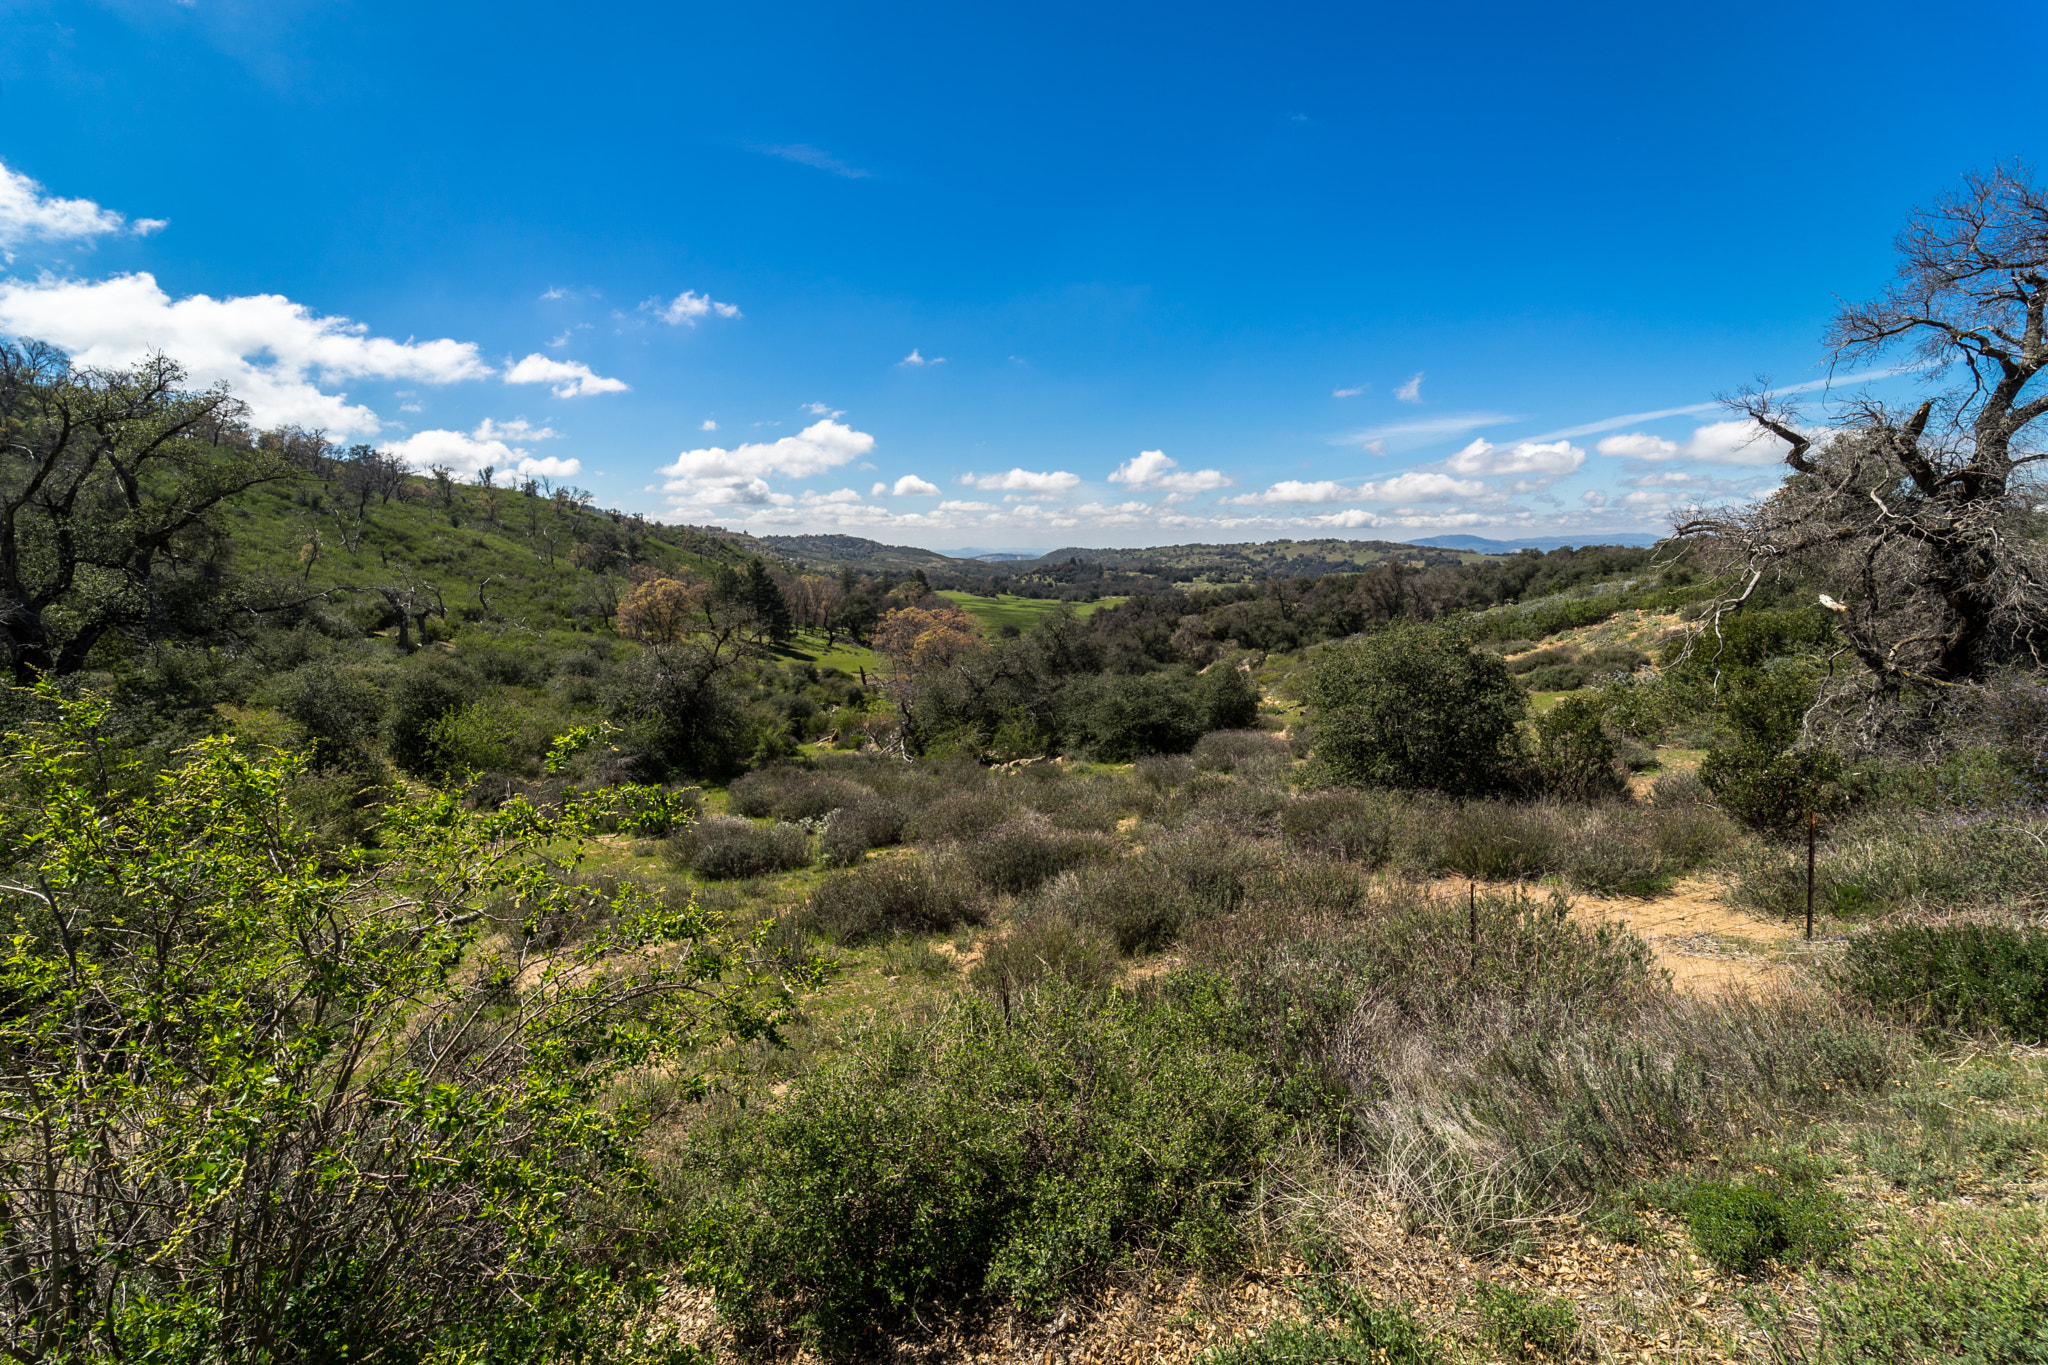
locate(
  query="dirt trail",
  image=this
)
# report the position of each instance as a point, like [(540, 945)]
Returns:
[(1706, 944)]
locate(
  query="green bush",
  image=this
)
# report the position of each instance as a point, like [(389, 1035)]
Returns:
[(1041, 946), (1019, 1153), (1972, 1289), (338, 712), (1967, 976), (1574, 754), (1128, 901), (1742, 1226), (1412, 706), (727, 849), (1223, 751), (1348, 1329), (962, 815), (1018, 858), (897, 896), (1525, 1324), (1118, 719), (429, 687), (871, 822), (1774, 792)]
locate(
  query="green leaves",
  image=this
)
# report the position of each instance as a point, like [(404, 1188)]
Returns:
[(243, 1098)]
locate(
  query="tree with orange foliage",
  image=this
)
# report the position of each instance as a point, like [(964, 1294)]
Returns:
[(933, 634), (661, 611)]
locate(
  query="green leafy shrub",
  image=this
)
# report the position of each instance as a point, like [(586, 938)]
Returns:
[(1966, 976), (1412, 706), (1345, 1328), (1118, 719), (429, 687), (378, 1130), (338, 712), (1973, 1288), (1742, 1226), (1525, 1324), (898, 896), (1020, 1154), (1574, 754)]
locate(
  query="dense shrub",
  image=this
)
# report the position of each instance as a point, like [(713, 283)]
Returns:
[(726, 849), (1575, 755), (429, 687), (900, 895), (1223, 751), (1743, 1226), (338, 712), (677, 712), (1354, 826), (963, 815), (1036, 947), (870, 822), (1890, 858), (1127, 901), (1967, 976), (1523, 1324), (1020, 1153), (790, 793), (1017, 858), (1412, 706), (1503, 841), (1162, 772)]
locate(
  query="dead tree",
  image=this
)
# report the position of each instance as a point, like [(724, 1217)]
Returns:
[(1924, 524)]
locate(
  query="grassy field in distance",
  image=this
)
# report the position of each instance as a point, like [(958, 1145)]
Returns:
[(1021, 612)]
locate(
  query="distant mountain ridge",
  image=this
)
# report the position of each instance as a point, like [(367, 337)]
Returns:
[(1481, 545)]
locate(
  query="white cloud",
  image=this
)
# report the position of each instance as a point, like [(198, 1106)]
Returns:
[(707, 425), (488, 445), (838, 495), (1593, 497), (1023, 481), (716, 477), (275, 354), (1411, 392), (412, 407), (803, 154), (1349, 393), (571, 378), (911, 486), (1481, 458), (28, 214), (1420, 486), (1294, 490), (1405, 435), (914, 359), (1149, 470), (1735, 441), (820, 410), (955, 506), (685, 308)]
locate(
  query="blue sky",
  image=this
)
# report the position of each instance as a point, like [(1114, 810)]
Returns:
[(1017, 276)]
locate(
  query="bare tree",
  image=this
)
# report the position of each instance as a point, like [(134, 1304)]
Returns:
[(1924, 524)]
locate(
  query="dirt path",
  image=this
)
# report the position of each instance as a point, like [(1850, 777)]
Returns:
[(1706, 944)]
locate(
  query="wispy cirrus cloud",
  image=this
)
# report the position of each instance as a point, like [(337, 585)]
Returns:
[(803, 154)]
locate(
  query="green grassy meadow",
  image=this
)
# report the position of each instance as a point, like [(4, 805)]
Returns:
[(1022, 612)]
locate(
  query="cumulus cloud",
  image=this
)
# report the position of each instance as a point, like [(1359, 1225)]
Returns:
[(570, 378), (716, 477), (707, 425), (275, 354), (915, 359), (1411, 392), (1151, 469), (837, 495), (1483, 458), (911, 486), (28, 214), (1593, 497), (1736, 441), (1023, 481), (685, 308), (1416, 485), (489, 445)]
